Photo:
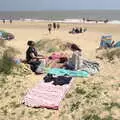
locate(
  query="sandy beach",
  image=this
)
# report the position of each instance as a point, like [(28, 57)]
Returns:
[(99, 95)]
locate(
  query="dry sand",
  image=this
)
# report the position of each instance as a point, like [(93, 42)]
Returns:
[(92, 98)]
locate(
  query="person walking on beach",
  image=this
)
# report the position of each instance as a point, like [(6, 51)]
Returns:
[(3, 21), (81, 30), (49, 27), (54, 25), (58, 26), (10, 21)]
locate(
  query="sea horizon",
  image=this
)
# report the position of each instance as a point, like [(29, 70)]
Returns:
[(61, 15)]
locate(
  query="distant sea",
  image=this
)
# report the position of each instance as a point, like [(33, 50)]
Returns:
[(111, 15)]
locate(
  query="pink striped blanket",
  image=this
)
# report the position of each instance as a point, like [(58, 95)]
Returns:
[(46, 95)]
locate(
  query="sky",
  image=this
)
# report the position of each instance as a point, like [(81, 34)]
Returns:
[(37, 5)]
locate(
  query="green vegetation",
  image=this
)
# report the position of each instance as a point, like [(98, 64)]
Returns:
[(91, 117), (110, 54), (49, 45)]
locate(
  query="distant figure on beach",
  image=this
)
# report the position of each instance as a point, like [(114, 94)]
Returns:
[(10, 21), (3, 21), (77, 30), (85, 29), (106, 21), (49, 27), (83, 20), (54, 25), (58, 26), (80, 30)]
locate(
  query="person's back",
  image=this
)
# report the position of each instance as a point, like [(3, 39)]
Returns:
[(28, 53)]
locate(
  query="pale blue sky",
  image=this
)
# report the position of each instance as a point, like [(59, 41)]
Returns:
[(11, 5)]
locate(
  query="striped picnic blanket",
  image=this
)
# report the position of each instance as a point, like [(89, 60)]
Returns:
[(47, 94)]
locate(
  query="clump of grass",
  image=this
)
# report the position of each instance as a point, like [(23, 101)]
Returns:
[(80, 91), (91, 95), (68, 95), (75, 106), (52, 50), (6, 65), (108, 118), (2, 43), (14, 104), (91, 117), (2, 81), (110, 54), (49, 45), (109, 106)]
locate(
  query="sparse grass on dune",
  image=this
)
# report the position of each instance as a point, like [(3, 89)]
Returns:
[(2, 43), (51, 45), (88, 99), (7, 66), (91, 100), (109, 54)]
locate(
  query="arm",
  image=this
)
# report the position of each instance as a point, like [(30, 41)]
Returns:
[(36, 57)]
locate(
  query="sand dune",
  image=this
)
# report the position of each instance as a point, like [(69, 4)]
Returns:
[(93, 98)]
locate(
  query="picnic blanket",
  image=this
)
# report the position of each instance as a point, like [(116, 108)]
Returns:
[(48, 94), (64, 72)]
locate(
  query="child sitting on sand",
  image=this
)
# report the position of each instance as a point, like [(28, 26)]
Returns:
[(75, 61)]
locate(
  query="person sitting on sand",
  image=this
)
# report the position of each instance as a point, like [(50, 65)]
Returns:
[(32, 56), (75, 61)]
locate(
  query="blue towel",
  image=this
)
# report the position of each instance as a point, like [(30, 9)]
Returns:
[(63, 72), (117, 44)]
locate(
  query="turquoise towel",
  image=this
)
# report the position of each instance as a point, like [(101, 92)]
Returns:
[(62, 72), (117, 44)]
